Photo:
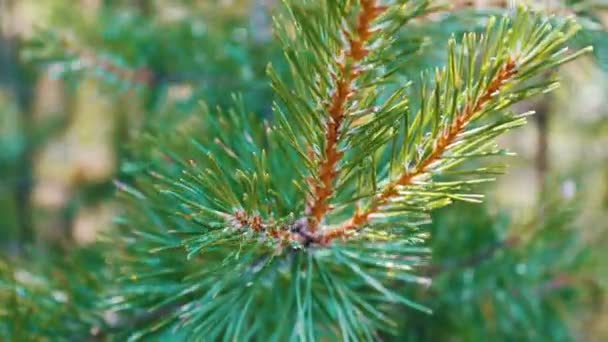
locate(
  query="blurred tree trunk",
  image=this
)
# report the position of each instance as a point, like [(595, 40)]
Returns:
[(76, 165), (13, 78)]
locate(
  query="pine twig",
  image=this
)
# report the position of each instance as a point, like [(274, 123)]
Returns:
[(144, 75), (441, 145), (347, 73), (141, 76)]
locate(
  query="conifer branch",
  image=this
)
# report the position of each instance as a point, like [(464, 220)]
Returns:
[(348, 71), (441, 145), (115, 69), (89, 59), (258, 204), (509, 58)]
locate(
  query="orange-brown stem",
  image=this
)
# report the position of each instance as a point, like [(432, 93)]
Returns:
[(141, 76), (441, 145), (348, 71)]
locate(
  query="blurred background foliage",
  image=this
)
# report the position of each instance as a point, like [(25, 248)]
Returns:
[(80, 80)]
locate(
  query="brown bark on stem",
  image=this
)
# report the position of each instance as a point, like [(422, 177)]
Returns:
[(446, 139), (348, 71)]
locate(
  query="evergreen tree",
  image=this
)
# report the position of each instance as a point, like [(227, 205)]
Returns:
[(330, 217)]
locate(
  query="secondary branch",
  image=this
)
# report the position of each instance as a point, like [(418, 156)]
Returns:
[(441, 145), (348, 71)]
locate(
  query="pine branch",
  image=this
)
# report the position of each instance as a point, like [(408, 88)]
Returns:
[(441, 145), (348, 71), (448, 126), (334, 133), (144, 76), (87, 58), (253, 211), (75, 57)]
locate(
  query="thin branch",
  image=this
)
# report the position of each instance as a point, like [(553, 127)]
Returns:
[(348, 71), (140, 76), (144, 76), (449, 137)]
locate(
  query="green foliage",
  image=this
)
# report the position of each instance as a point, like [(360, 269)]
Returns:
[(210, 50), (519, 281), (38, 303), (13, 143), (316, 221), (285, 230)]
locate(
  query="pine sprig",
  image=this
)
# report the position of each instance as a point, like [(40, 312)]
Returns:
[(37, 302), (340, 116), (348, 70), (515, 278), (467, 91), (314, 221)]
